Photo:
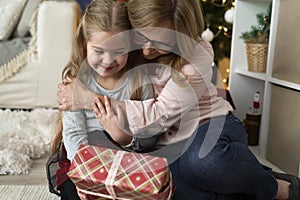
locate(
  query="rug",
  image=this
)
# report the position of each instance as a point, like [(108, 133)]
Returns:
[(24, 136), (13, 192)]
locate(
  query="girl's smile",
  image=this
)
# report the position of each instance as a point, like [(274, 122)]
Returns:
[(107, 53)]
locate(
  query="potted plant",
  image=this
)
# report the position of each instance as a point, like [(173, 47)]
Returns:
[(256, 41)]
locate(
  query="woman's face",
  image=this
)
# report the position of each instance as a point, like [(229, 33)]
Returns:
[(155, 42), (107, 53)]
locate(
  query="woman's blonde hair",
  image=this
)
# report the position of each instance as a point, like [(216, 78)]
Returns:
[(185, 15), (100, 15)]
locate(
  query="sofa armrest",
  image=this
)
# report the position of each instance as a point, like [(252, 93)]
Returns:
[(35, 84), (56, 24)]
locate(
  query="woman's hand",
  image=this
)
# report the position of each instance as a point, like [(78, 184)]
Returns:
[(73, 95), (64, 94), (113, 124)]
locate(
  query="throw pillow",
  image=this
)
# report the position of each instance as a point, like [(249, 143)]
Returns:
[(11, 11), (23, 26)]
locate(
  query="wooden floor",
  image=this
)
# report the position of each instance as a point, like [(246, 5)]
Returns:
[(33, 186), (26, 192), (263, 161), (37, 175)]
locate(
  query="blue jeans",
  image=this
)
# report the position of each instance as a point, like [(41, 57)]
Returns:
[(227, 170)]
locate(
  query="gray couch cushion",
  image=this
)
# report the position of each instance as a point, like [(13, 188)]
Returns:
[(11, 11)]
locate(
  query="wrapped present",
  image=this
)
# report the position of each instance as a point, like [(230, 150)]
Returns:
[(104, 173)]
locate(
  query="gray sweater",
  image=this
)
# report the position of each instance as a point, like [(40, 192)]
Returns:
[(77, 125)]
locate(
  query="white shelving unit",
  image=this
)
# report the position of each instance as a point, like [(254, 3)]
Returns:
[(279, 87)]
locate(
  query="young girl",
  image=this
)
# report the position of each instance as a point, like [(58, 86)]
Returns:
[(103, 40), (214, 161)]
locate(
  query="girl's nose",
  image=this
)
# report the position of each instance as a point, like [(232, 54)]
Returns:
[(107, 59)]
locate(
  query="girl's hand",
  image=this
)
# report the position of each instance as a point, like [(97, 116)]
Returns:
[(73, 95), (113, 124)]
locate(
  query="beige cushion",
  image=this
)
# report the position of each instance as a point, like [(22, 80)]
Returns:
[(23, 26), (11, 11)]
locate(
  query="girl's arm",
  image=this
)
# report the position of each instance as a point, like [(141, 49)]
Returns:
[(115, 125), (173, 102), (74, 131), (111, 123)]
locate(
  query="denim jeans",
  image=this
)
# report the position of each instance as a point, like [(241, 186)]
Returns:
[(226, 170)]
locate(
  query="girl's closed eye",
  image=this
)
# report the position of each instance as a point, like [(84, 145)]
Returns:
[(119, 52), (98, 50), (116, 53)]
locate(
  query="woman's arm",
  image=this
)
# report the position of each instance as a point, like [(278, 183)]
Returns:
[(173, 101), (69, 98)]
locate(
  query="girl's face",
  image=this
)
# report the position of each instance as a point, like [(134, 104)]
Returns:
[(107, 53), (155, 42)]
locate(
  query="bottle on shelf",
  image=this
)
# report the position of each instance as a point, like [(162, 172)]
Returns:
[(256, 102), (252, 121)]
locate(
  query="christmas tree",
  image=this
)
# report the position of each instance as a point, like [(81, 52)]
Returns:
[(260, 32), (215, 13)]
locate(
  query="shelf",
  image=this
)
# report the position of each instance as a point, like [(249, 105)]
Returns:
[(255, 151), (284, 83), (279, 86), (263, 77), (245, 72), (287, 43), (284, 129)]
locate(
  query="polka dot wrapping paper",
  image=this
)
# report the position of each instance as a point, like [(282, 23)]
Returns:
[(103, 173)]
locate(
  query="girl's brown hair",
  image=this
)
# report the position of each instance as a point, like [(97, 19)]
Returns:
[(100, 15)]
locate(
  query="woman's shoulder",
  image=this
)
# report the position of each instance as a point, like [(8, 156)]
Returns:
[(206, 47), (202, 60), (203, 51)]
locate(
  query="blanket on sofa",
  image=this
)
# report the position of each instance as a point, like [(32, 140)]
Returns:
[(12, 48), (13, 56), (14, 53)]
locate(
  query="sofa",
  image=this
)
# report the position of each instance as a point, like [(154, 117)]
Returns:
[(29, 79)]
